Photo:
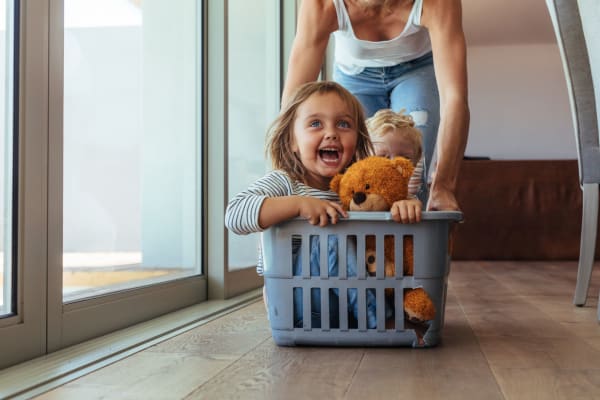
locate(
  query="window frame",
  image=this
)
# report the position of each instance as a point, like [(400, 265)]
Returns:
[(43, 324)]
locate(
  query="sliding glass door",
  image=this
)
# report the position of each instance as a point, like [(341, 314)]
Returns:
[(22, 196), (131, 144), (124, 124), (126, 149)]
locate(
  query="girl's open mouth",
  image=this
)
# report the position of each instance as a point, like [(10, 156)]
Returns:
[(329, 155)]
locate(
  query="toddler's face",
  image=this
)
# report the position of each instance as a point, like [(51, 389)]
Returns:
[(393, 145), (324, 137)]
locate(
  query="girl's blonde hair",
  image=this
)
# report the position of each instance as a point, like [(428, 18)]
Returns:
[(280, 137), (386, 121)]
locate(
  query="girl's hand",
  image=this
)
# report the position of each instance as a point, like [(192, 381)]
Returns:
[(320, 212), (407, 211)]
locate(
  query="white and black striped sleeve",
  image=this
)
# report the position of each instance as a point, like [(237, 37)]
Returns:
[(243, 210)]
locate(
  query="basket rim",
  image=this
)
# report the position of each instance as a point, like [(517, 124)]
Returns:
[(456, 216)]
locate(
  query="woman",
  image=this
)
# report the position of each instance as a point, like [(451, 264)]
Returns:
[(395, 54)]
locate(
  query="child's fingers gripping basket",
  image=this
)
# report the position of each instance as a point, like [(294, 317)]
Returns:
[(366, 281)]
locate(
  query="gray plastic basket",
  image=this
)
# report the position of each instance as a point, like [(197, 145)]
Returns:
[(431, 268)]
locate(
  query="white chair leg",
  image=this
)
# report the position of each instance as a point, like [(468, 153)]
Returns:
[(589, 225)]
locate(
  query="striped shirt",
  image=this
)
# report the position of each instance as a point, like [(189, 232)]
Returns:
[(416, 180), (243, 210)]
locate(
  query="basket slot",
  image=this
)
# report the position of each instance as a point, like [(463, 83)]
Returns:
[(296, 298), (408, 259)]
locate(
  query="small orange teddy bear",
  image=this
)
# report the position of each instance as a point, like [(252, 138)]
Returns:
[(374, 184)]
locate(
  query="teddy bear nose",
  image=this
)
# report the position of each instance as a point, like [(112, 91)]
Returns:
[(371, 260), (359, 197)]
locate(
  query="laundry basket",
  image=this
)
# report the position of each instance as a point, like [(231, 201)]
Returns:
[(319, 291)]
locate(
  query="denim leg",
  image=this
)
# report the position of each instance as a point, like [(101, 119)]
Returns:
[(371, 308), (416, 91), (372, 103), (368, 87), (315, 295)]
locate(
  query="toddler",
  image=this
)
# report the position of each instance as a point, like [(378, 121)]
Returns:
[(394, 134)]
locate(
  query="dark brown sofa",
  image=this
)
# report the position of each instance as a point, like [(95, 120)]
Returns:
[(519, 210)]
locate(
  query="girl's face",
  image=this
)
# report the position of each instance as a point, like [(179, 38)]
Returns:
[(325, 137), (393, 145)]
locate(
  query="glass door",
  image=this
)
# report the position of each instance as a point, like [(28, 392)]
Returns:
[(253, 93), (131, 171), (22, 195), (126, 149)]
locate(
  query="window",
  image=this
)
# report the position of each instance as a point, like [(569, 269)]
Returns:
[(132, 147), (133, 113), (253, 103)]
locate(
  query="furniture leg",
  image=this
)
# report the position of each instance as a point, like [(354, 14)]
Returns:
[(589, 226)]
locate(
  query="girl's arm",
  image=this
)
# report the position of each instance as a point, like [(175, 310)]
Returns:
[(318, 212), (271, 200), (317, 19), (443, 19)]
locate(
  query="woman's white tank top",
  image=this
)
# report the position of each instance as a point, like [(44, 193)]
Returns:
[(352, 55)]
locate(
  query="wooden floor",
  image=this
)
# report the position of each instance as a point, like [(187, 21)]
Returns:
[(511, 333)]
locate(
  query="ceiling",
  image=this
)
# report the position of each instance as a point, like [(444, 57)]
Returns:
[(502, 22)]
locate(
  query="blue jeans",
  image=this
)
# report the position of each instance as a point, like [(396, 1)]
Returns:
[(315, 295), (411, 86)]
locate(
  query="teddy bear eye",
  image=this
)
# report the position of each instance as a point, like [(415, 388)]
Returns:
[(367, 186)]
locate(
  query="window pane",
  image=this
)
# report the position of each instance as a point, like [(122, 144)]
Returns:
[(7, 90), (131, 143), (253, 99)]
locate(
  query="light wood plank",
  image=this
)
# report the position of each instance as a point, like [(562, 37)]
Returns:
[(511, 332), (272, 372), (548, 383)]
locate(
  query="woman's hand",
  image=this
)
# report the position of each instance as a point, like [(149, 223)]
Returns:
[(407, 211), (320, 212), (442, 200)]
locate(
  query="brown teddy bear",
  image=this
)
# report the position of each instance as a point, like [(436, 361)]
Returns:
[(374, 184)]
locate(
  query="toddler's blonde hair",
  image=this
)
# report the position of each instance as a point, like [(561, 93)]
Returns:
[(386, 121)]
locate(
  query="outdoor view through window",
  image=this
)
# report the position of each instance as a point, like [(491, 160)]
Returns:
[(131, 169)]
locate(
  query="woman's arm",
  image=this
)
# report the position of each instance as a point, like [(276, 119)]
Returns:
[(317, 19), (443, 19)]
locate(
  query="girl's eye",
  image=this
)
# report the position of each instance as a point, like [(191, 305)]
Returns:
[(344, 124), (315, 124)]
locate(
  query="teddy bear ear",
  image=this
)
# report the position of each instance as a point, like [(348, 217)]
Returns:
[(403, 165), (335, 183)]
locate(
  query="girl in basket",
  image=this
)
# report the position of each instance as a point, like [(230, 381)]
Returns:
[(318, 134), (395, 134)]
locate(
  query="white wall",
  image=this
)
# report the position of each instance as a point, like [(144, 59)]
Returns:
[(519, 104)]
